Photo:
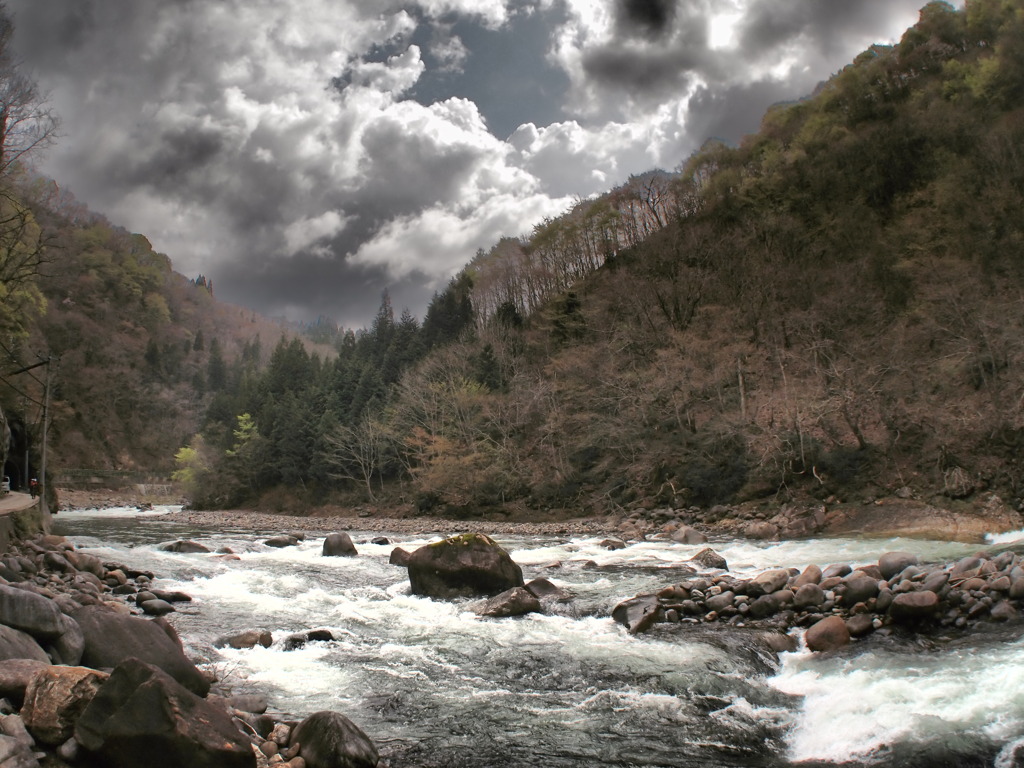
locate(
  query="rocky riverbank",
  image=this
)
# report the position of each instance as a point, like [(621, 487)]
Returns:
[(85, 681), (902, 514)]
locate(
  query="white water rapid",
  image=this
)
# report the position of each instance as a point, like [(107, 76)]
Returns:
[(435, 685)]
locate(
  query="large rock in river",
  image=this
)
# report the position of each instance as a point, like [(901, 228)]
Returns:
[(469, 565), (331, 740), (111, 638), (339, 545), (54, 699), (141, 716)]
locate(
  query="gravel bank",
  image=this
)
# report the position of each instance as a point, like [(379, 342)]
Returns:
[(259, 521)]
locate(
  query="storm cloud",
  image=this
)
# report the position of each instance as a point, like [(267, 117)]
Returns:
[(309, 155)]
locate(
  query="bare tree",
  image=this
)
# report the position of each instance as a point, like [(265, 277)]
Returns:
[(27, 123)]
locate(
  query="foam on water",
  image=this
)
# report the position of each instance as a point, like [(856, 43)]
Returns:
[(882, 698), (117, 512)]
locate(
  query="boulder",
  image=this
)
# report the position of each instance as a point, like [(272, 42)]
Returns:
[(613, 544), (858, 588), (891, 563), (708, 558), (282, 541), (517, 601), (16, 754), (808, 595), (171, 596), (720, 601), (141, 716), (87, 563), (913, 607), (30, 613), (860, 625), (156, 607), (299, 639), (248, 639), (70, 645), (687, 535), (768, 582), (638, 614), (810, 575), (827, 635), (543, 589), (764, 606), (761, 530), (399, 557), (339, 545), (110, 638), (469, 565), (15, 644), (331, 740), (15, 675), (55, 698), (184, 546)]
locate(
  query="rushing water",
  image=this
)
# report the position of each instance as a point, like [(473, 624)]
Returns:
[(435, 685)]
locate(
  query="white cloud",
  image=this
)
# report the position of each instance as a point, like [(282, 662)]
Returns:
[(302, 234)]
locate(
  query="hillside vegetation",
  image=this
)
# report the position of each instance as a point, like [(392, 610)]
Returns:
[(833, 308)]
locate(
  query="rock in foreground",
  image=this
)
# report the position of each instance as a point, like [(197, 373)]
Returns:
[(142, 716)]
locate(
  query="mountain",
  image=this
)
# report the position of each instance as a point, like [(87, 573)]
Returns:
[(831, 310)]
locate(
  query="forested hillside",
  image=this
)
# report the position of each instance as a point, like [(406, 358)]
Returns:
[(133, 351), (832, 308)]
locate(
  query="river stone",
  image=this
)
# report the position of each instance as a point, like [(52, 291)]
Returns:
[(892, 563), (331, 740), (171, 596), (859, 588), (827, 635), (810, 575), (935, 582), (141, 716), (87, 563), (248, 639), (339, 545), (15, 644), (16, 754), (764, 606), (1000, 584), (281, 541), (543, 589), (613, 544), (836, 569), (688, 535), (399, 557), (912, 607), (860, 625), (54, 699), (1017, 588), (965, 564), (70, 645), (110, 638), (637, 614), (1003, 611), (299, 639), (720, 601), (156, 607), (517, 601), (184, 546), (469, 565), (768, 582), (15, 675), (808, 595), (761, 530), (708, 558), (29, 612)]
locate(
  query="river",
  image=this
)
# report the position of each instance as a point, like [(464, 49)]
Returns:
[(435, 685)]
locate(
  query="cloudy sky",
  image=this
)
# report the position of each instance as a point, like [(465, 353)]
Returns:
[(308, 154)]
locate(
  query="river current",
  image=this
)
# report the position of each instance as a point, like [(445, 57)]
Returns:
[(433, 684)]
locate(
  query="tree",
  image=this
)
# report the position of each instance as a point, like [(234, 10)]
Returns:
[(27, 123)]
